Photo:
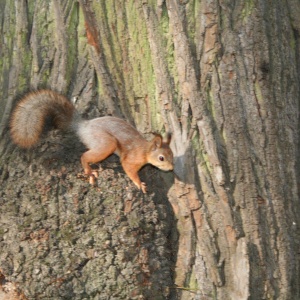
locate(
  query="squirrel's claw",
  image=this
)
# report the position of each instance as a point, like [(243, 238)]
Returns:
[(92, 179), (95, 173), (144, 187)]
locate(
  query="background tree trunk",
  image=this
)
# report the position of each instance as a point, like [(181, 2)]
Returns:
[(224, 77)]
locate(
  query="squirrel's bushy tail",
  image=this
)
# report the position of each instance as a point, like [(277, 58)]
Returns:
[(29, 116)]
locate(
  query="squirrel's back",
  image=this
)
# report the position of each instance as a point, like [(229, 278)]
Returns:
[(30, 114), (92, 132)]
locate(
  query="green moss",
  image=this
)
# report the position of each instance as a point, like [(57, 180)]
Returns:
[(81, 38), (23, 56), (224, 136), (81, 32), (258, 93), (30, 12), (71, 30), (201, 155), (293, 43), (1, 233), (106, 16), (192, 10), (169, 51), (67, 233), (109, 200), (45, 31), (247, 10), (193, 284), (116, 32), (128, 56), (26, 223), (125, 47), (210, 102), (7, 44), (143, 78)]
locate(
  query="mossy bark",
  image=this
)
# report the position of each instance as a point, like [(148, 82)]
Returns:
[(224, 78)]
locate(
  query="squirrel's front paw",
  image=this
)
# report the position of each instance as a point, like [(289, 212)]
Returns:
[(144, 187), (95, 173), (92, 179)]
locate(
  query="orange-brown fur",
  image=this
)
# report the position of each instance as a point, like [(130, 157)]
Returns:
[(102, 136)]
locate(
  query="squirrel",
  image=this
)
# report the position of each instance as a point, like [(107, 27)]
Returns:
[(102, 136)]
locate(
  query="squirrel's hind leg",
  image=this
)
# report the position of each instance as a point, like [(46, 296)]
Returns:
[(96, 155)]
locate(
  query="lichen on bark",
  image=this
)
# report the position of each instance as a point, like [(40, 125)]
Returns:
[(223, 77)]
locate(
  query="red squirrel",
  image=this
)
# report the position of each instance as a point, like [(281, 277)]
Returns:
[(102, 136)]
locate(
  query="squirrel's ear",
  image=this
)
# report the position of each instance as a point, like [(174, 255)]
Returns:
[(168, 138), (156, 142)]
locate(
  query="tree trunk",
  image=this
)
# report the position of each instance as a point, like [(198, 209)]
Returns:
[(223, 77)]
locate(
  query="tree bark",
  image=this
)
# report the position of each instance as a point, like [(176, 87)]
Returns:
[(223, 77)]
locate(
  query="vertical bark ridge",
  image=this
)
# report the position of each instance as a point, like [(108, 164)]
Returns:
[(98, 58), (223, 76)]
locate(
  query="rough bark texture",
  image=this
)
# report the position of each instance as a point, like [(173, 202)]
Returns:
[(224, 77)]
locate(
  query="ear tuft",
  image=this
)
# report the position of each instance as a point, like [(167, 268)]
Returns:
[(156, 142), (168, 138)]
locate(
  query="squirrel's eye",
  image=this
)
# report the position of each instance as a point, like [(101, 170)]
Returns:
[(161, 158)]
